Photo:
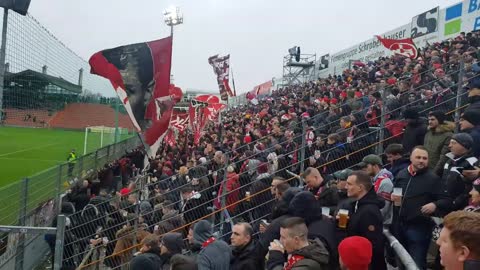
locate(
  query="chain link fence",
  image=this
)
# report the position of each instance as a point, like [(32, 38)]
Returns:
[(34, 200)]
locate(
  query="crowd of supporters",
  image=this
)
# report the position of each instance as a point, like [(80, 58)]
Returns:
[(297, 182)]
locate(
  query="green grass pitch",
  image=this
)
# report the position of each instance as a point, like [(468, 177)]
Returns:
[(27, 151)]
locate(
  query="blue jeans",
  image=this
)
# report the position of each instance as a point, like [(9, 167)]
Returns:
[(416, 240)]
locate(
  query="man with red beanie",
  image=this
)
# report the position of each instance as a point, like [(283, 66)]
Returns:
[(355, 253)]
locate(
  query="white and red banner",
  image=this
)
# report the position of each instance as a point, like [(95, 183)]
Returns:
[(221, 68), (140, 75), (179, 121), (405, 47)]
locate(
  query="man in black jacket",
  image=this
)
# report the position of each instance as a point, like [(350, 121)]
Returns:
[(422, 195), (415, 130), (316, 184), (365, 218), (460, 158), (397, 160), (243, 249)]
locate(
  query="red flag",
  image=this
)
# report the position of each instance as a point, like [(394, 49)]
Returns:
[(140, 75), (212, 111), (405, 47), (197, 119), (170, 138), (208, 99), (175, 92)]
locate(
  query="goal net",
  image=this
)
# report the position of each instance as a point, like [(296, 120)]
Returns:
[(100, 136)]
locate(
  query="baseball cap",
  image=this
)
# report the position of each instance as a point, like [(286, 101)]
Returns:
[(343, 174), (370, 159)]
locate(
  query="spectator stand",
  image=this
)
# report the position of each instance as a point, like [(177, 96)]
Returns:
[(221, 221)]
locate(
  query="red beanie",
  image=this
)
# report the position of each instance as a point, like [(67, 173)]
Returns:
[(247, 139), (392, 81), (333, 101), (355, 252)]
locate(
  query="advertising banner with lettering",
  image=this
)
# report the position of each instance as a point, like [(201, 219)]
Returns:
[(461, 17), (369, 50), (425, 23)]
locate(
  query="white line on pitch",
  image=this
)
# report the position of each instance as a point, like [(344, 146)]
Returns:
[(32, 159), (28, 149)]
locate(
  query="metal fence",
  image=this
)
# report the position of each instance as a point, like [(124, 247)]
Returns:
[(121, 222), (34, 200)]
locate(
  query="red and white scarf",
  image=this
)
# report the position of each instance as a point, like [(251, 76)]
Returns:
[(208, 242), (292, 260)]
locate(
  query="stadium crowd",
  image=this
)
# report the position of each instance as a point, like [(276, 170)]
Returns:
[(302, 185)]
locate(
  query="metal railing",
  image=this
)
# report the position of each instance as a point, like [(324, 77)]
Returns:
[(34, 201)]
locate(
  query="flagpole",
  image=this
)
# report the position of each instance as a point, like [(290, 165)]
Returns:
[(233, 82)]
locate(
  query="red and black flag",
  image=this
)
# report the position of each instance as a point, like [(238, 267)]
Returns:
[(405, 47), (198, 118), (221, 67), (140, 75)]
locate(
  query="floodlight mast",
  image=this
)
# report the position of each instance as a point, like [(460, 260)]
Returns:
[(172, 17)]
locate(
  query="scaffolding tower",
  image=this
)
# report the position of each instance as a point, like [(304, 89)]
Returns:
[(295, 72)]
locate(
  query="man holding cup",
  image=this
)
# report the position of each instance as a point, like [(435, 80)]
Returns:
[(363, 216), (417, 195), (302, 253)]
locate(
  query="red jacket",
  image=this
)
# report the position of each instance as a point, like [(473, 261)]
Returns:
[(232, 192)]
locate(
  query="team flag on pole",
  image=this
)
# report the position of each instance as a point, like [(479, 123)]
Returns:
[(221, 67), (140, 75)]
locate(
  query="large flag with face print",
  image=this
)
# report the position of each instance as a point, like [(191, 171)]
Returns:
[(140, 75)]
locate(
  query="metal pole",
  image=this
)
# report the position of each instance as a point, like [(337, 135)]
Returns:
[(459, 93), (223, 199), (21, 222), (381, 135), (60, 242), (96, 159), (101, 137), (59, 188), (85, 141), (115, 140), (3, 50), (304, 145)]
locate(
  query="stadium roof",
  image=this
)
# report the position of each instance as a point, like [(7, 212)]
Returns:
[(40, 80)]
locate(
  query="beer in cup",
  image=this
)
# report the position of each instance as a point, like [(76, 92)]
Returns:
[(247, 196), (398, 193), (343, 218)]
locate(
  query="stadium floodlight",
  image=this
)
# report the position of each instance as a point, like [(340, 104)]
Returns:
[(173, 16)]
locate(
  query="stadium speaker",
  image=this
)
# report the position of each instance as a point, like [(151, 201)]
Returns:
[(297, 55), (19, 6)]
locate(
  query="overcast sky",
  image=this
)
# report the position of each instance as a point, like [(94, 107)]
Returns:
[(256, 33)]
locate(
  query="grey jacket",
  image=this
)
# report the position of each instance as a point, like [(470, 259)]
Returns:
[(216, 256), (384, 188)]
